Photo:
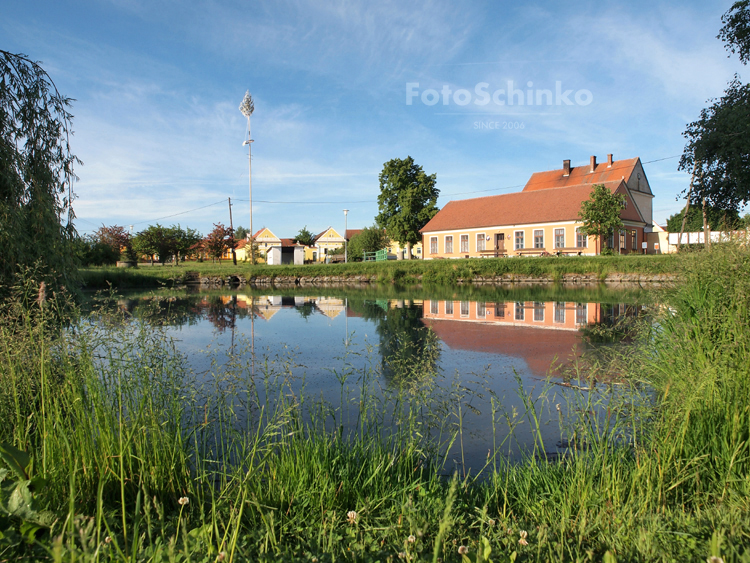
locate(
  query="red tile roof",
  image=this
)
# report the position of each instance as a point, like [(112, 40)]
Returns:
[(620, 169), (352, 233), (520, 208), (289, 242)]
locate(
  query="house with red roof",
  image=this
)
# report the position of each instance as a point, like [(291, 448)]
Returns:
[(543, 217)]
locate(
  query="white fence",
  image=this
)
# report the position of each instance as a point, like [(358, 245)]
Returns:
[(714, 236)]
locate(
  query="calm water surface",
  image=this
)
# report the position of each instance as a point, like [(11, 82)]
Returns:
[(481, 355)]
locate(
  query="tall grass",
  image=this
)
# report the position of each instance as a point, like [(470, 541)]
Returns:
[(656, 468)]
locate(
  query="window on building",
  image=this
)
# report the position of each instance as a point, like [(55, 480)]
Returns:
[(481, 310), (622, 240), (560, 312), (464, 243), (582, 313), (433, 245), (539, 238), (464, 308), (519, 240), (419, 250), (559, 238), (449, 245), (634, 239), (611, 240), (582, 241), (520, 310), (449, 307), (434, 307), (480, 242), (500, 310), (538, 311)]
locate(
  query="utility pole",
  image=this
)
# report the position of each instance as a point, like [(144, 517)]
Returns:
[(346, 254), (687, 208), (231, 226)]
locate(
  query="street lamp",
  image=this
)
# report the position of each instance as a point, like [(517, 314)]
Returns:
[(346, 256), (247, 107)]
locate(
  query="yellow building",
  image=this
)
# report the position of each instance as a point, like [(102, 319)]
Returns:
[(543, 218), (324, 243)]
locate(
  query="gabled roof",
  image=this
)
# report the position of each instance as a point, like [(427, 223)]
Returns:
[(603, 173), (270, 232), (352, 233), (521, 208), (286, 242), (329, 228)]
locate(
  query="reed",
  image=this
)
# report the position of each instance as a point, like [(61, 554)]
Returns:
[(145, 460)]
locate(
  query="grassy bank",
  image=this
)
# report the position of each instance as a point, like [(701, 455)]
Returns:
[(403, 272), (142, 461)]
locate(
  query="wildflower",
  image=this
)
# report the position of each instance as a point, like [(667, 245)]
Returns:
[(491, 522), (351, 516), (107, 540), (222, 556), (401, 555), (183, 501), (510, 532), (714, 559), (411, 539), (463, 550), (523, 542), (523, 534)]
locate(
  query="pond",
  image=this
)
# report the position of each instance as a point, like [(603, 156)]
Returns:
[(491, 372)]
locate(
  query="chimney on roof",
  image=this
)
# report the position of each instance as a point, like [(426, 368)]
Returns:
[(609, 161), (566, 167), (593, 163)]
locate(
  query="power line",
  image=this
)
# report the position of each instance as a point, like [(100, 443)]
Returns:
[(180, 213)]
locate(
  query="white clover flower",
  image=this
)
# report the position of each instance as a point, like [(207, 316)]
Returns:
[(411, 539), (183, 501), (351, 516), (463, 550)]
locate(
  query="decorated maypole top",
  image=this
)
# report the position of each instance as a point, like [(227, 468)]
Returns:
[(247, 107)]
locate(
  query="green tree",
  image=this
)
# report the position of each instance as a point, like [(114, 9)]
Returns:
[(36, 178), (182, 241), (718, 219), (407, 201), (600, 214), (241, 233), (717, 152), (117, 239), (370, 239), (305, 237)]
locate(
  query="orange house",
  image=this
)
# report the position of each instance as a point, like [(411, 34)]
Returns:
[(543, 217)]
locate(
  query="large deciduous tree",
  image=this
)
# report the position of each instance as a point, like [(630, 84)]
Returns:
[(717, 152), (36, 177), (718, 219), (218, 241), (407, 201), (600, 214), (305, 237)]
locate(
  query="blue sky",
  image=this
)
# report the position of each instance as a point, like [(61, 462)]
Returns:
[(157, 86)]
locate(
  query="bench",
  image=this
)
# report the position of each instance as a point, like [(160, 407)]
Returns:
[(531, 252), (493, 253), (569, 250)]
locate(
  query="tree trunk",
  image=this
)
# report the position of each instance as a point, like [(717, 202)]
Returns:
[(687, 208), (408, 251), (706, 232)]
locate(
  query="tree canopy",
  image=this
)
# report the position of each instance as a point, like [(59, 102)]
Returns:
[(718, 219), (165, 242), (241, 233), (600, 214), (717, 152), (305, 237), (218, 241), (36, 177), (407, 200), (370, 239)]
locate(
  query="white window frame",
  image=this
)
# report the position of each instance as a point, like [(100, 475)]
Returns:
[(538, 238), (464, 308), (481, 309), (448, 239), (483, 239), (449, 308), (520, 311), (560, 312), (580, 237), (539, 311), (516, 239), (433, 245), (582, 310), (434, 307), (464, 242), (560, 232)]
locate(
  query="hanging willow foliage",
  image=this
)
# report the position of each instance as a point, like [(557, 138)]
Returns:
[(36, 178)]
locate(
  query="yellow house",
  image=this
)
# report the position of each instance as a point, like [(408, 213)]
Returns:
[(324, 243), (416, 249), (543, 218)]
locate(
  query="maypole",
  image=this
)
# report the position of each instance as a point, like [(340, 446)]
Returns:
[(247, 107)]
